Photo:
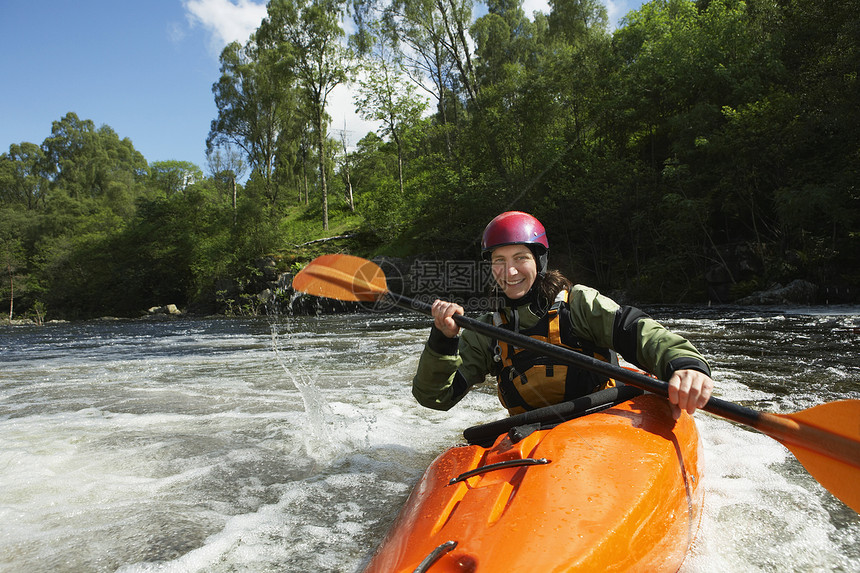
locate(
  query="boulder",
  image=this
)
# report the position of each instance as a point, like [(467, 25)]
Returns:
[(796, 292), (166, 309)]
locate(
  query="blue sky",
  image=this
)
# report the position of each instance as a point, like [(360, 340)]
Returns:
[(146, 69)]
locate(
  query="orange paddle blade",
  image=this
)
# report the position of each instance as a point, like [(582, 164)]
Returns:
[(342, 277), (826, 440)]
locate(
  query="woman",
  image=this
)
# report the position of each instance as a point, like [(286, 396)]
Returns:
[(542, 303)]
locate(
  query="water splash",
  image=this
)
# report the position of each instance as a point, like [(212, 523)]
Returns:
[(323, 434)]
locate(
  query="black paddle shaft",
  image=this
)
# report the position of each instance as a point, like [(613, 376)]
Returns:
[(722, 408)]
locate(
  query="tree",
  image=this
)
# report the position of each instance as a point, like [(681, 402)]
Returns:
[(378, 200), (416, 30), (456, 16), (821, 53), (304, 152), (94, 164), (22, 180), (307, 35), (385, 96), (578, 63), (11, 259), (346, 167), (575, 20), (226, 168), (171, 177), (256, 104), (506, 53)]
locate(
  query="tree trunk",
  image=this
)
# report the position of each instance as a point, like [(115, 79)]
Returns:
[(233, 183), (307, 192), (346, 169), (443, 110), (321, 149), (349, 192), (400, 166), (11, 291), (304, 172)]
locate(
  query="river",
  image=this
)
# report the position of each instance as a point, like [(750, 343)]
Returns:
[(290, 443)]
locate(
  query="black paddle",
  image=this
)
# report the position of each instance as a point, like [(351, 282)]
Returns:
[(824, 438)]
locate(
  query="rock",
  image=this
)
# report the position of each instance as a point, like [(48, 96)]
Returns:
[(166, 309), (268, 266), (796, 292)]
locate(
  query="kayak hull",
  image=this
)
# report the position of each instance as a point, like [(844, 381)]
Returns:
[(618, 490)]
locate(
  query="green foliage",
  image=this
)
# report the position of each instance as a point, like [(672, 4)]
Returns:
[(256, 100), (89, 163), (305, 38), (22, 180), (171, 177), (702, 150)]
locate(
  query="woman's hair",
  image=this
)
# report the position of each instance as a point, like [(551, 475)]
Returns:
[(550, 284)]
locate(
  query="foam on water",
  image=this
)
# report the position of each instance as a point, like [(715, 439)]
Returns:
[(762, 511), (371, 454), (293, 450)]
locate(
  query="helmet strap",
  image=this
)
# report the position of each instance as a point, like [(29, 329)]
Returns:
[(543, 261)]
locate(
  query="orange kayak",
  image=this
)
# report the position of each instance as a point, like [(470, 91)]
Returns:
[(616, 489)]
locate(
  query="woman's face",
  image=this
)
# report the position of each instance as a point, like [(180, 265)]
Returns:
[(515, 269)]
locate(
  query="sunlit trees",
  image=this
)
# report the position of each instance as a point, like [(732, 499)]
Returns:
[(386, 96), (22, 177), (256, 100), (306, 37), (173, 176)]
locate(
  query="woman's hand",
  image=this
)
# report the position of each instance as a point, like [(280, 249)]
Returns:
[(689, 390), (442, 312)]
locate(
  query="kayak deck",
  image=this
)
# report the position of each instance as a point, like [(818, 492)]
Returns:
[(617, 489)]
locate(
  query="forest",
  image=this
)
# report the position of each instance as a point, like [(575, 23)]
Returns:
[(701, 151)]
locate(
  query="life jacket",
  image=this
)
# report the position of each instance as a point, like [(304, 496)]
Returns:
[(528, 380)]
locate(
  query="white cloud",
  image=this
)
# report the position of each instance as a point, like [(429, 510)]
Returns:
[(175, 32), (230, 21), (225, 20), (532, 6), (615, 9), (341, 108)]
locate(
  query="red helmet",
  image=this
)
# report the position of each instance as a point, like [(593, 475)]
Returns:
[(517, 228), (514, 228)]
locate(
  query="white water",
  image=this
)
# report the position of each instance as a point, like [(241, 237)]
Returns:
[(223, 445)]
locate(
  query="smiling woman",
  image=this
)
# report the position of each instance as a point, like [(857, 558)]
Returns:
[(514, 269), (542, 304)]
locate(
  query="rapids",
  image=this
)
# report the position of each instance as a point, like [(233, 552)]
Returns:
[(289, 443)]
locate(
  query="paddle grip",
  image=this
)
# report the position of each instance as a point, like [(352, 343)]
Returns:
[(722, 408), (831, 458)]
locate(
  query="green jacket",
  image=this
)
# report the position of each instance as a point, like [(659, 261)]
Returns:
[(448, 367)]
